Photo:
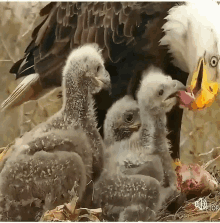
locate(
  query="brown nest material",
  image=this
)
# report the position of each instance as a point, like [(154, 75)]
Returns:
[(69, 212), (197, 209)]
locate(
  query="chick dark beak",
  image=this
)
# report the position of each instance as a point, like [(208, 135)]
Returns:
[(176, 87), (105, 82), (135, 127)]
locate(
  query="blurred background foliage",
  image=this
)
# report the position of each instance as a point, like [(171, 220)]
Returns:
[(200, 130), (16, 24)]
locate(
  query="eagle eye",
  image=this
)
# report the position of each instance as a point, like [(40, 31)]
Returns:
[(129, 117), (161, 92), (214, 61)]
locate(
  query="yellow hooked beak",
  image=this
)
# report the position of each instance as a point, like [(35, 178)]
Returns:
[(204, 91)]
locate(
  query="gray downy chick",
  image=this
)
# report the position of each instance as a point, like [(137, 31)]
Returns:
[(122, 123), (157, 95), (125, 187), (57, 159)]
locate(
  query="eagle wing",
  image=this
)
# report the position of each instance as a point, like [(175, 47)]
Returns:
[(115, 26)]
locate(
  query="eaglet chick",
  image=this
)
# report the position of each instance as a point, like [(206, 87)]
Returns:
[(121, 122), (61, 156)]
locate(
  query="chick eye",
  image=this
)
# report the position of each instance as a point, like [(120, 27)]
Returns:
[(98, 69), (128, 117), (214, 61), (161, 92)]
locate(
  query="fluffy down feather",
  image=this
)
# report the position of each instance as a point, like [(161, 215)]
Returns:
[(60, 156)]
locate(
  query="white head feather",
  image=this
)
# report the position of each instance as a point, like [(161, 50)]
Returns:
[(192, 30)]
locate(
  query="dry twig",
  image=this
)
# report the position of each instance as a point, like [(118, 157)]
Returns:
[(7, 50)]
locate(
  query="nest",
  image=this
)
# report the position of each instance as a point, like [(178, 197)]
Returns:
[(189, 211)]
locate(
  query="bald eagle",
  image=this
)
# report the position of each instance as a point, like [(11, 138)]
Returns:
[(182, 39)]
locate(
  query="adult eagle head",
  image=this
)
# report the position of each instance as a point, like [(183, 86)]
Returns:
[(192, 32)]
